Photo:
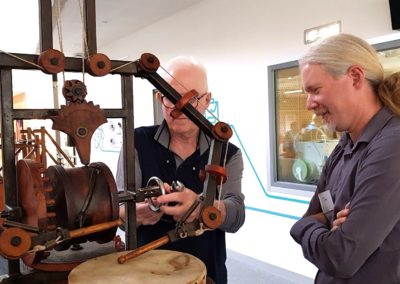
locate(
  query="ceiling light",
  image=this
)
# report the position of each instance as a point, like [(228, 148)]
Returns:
[(321, 32)]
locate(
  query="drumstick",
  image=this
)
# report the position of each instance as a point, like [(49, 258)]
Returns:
[(141, 250), (94, 229)]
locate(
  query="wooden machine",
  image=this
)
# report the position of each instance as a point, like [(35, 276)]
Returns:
[(47, 210)]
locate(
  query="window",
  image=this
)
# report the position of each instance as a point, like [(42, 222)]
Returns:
[(301, 144)]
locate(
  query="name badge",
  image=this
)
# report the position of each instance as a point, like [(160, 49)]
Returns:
[(325, 199)]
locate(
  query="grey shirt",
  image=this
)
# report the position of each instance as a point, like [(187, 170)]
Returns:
[(231, 194), (366, 247)]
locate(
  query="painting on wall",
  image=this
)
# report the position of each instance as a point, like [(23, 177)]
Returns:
[(108, 137)]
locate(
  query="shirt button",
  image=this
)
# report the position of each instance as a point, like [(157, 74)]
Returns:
[(167, 161)]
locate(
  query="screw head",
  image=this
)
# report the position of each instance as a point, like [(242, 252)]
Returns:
[(16, 241), (213, 216), (82, 131), (101, 64), (54, 61)]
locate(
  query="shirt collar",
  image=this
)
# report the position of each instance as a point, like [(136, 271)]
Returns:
[(163, 136), (377, 122)]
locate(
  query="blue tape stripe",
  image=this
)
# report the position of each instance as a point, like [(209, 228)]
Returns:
[(258, 178), (272, 213)]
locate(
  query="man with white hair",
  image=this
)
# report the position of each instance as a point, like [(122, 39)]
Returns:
[(177, 150)]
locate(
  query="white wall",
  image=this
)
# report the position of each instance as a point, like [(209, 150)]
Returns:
[(237, 40)]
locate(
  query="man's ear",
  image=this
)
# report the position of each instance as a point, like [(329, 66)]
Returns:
[(158, 96), (208, 98), (357, 75)]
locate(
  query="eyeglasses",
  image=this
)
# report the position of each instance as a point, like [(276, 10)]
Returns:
[(193, 101)]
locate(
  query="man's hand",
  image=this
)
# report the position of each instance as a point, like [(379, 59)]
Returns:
[(145, 216), (183, 200), (341, 217), (321, 218)]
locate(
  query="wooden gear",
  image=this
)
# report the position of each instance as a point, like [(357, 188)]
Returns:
[(182, 102), (98, 64), (80, 121), (52, 61)]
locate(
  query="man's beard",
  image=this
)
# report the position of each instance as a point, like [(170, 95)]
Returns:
[(329, 127)]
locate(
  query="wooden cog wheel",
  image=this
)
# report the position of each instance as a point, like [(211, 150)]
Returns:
[(211, 217), (14, 243), (35, 195)]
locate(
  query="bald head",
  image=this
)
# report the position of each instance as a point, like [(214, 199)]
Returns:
[(187, 74)]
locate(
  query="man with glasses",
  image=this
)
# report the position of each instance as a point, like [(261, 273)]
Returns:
[(176, 151)]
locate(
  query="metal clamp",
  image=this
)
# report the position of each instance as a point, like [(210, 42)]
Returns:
[(177, 186), (158, 182)]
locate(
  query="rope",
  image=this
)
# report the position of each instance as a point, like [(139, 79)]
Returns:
[(85, 48), (221, 182), (186, 89), (174, 78), (95, 173), (21, 59), (121, 66), (59, 30)]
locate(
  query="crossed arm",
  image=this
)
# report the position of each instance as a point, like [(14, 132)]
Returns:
[(341, 248)]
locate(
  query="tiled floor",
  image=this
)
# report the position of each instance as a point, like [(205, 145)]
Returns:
[(243, 269)]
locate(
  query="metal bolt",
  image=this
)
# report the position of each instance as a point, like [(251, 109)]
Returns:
[(82, 131), (54, 61), (213, 216), (76, 247), (101, 64), (78, 91), (150, 59), (16, 241)]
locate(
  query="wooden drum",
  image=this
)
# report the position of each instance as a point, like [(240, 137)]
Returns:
[(155, 266)]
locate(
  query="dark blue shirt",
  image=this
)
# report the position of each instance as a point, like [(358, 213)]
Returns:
[(155, 159)]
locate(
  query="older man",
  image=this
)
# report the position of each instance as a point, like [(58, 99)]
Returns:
[(177, 150)]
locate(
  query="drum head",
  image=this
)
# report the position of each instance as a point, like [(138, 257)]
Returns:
[(156, 266)]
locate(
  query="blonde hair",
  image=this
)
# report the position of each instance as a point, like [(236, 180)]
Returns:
[(339, 52), (389, 93)]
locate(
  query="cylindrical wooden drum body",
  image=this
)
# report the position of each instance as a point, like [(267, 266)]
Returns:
[(70, 198)]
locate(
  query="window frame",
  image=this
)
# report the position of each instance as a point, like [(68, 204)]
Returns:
[(283, 186)]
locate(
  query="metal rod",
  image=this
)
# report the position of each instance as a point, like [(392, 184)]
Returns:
[(211, 181), (129, 160), (191, 112), (72, 64), (7, 134), (48, 113), (90, 25), (46, 25), (8, 223)]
